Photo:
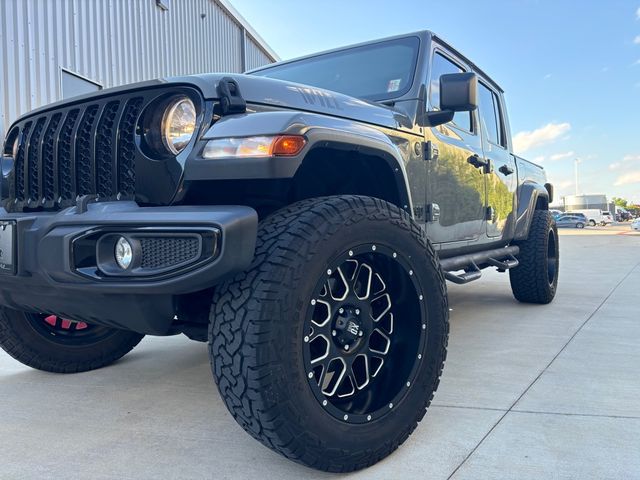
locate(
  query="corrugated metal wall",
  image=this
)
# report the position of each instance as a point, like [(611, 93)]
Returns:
[(114, 42)]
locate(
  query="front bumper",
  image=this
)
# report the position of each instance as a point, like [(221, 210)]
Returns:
[(47, 278)]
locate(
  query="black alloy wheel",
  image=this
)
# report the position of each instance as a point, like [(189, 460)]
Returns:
[(364, 333)]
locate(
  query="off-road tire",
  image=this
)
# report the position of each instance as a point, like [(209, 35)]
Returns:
[(255, 333), (31, 345), (535, 279)]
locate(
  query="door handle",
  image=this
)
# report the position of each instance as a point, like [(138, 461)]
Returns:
[(476, 161), (506, 170)]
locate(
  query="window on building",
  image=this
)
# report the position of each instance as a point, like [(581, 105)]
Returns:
[(441, 66), (74, 84)]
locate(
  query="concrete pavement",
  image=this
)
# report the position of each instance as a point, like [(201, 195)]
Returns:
[(528, 392)]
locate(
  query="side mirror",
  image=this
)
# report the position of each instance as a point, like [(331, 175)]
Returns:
[(458, 93)]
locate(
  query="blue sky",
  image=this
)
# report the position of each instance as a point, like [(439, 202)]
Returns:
[(570, 69)]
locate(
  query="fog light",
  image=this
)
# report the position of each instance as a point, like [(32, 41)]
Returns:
[(123, 253)]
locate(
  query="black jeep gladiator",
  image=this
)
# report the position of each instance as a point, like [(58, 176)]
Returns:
[(302, 218)]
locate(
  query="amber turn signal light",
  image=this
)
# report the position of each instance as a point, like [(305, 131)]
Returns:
[(287, 145)]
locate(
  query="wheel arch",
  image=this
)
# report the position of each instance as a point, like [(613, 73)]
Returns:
[(352, 166), (531, 197)]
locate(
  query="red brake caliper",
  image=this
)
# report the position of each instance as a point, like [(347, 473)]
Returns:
[(64, 324)]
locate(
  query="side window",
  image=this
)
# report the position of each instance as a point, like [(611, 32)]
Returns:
[(490, 115), (440, 66)]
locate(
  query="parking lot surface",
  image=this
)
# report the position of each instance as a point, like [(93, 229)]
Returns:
[(527, 392)]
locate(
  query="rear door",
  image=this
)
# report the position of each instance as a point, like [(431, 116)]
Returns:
[(455, 188), (502, 180)]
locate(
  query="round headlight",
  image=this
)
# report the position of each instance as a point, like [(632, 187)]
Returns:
[(178, 124)]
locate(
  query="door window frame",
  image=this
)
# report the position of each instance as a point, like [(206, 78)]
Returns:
[(497, 103), (450, 56)]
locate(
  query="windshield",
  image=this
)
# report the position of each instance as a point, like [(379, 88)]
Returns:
[(376, 72)]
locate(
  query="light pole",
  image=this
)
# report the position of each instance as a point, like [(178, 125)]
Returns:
[(577, 161)]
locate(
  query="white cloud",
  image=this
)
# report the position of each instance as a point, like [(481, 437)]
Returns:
[(637, 40), (527, 140), (561, 156), (626, 160), (564, 184), (628, 178), (547, 76), (538, 159)]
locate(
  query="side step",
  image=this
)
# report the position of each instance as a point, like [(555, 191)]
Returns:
[(473, 263)]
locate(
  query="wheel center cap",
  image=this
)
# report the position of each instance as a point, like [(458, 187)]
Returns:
[(347, 327)]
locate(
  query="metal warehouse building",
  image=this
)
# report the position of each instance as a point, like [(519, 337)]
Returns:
[(55, 49)]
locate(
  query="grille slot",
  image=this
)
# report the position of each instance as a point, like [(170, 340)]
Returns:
[(126, 148), (65, 163), (105, 149), (33, 154), (48, 165), (20, 160), (84, 167)]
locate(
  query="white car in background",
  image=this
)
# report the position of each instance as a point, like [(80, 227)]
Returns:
[(606, 218), (636, 224)]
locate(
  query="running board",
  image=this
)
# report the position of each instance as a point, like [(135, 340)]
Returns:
[(472, 263)]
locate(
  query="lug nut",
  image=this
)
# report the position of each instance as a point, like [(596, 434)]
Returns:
[(341, 310), (346, 347), (333, 333), (357, 311), (360, 333)]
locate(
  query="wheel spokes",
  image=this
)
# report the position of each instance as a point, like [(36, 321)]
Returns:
[(362, 281), (321, 313), (380, 306), (379, 342), (338, 372)]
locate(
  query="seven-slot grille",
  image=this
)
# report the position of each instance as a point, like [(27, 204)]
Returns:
[(76, 150)]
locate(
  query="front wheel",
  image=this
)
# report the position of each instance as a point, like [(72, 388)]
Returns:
[(579, 225), (53, 344), (535, 279), (329, 348)]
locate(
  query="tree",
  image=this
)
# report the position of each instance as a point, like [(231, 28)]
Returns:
[(620, 202)]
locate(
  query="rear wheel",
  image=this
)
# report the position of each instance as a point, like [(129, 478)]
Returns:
[(535, 279), (54, 344), (579, 225), (329, 348), (592, 223)]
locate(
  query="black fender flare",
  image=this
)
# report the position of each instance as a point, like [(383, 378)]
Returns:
[(320, 131), (528, 195)]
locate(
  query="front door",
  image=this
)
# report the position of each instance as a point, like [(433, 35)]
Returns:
[(455, 184), (502, 179)]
